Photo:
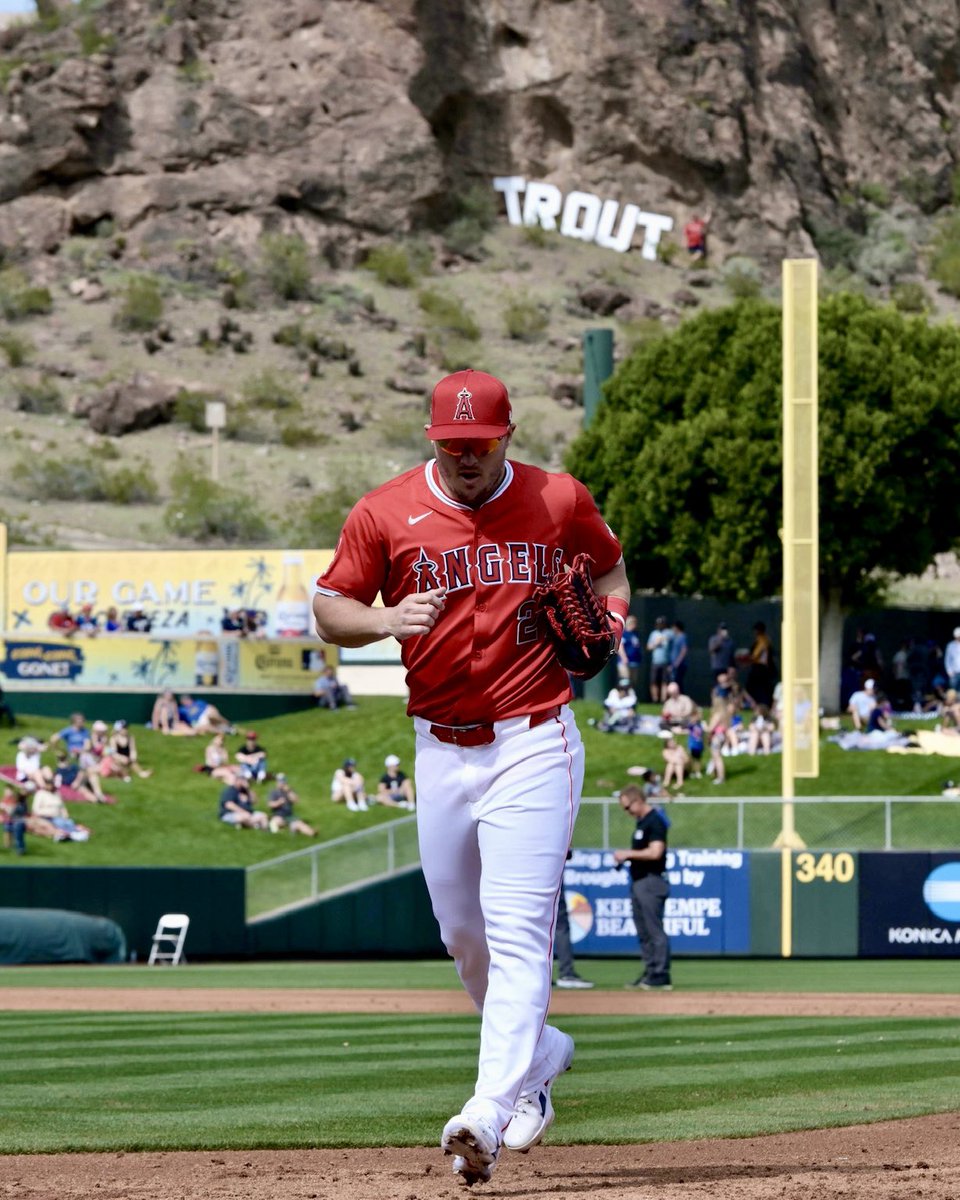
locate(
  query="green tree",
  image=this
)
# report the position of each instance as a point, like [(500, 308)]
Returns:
[(685, 456)]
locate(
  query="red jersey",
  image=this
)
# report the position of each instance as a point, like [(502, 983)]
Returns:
[(486, 658)]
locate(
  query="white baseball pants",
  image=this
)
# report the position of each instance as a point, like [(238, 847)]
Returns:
[(494, 826)]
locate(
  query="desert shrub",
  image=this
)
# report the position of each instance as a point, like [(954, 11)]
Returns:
[(286, 265), (524, 319), (448, 312), (105, 450), (270, 389), (19, 298), (479, 204), (456, 353), (920, 189), (235, 277), (910, 297), (667, 250), (837, 245), (742, 277), (15, 348), (541, 239), (945, 256), (141, 305), (320, 520), (206, 511), (877, 194), (93, 40), (130, 485), (38, 395), (464, 237), (392, 265), (297, 436), (403, 430), (82, 478)]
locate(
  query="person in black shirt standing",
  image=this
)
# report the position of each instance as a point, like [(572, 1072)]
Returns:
[(649, 889)]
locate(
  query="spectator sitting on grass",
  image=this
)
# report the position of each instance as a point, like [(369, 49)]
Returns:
[(329, 692), (75, 736), (394, 788), (28, 764), (48, 804), (620, 709), (677, 710), (216, 759), (69, 774), (280, 802), (202, 717), (346, 787), (252, 757), (237, 806), (122, 749)]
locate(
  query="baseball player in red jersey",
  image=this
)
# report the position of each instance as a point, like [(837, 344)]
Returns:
[(455, 549)]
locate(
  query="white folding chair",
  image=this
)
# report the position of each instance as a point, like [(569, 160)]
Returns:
[(168, 940)]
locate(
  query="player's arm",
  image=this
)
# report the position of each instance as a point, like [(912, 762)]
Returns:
[(613, 588), (343, 621), (654, 851)]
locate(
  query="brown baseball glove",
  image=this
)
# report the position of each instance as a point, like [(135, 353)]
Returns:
[(576, 620)]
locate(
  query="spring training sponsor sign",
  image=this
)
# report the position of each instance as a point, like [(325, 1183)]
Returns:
[(581, 215), (707, 912)]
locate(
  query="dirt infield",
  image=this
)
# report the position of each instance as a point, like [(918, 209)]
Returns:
[(891, 1160)]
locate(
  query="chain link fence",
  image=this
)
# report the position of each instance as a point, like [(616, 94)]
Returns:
[(722, 822), (753, 822)]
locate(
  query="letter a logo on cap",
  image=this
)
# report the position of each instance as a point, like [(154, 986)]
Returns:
[(463, 411)]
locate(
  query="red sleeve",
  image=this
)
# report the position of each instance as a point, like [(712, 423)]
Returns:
[(589, 532), (358, 568)]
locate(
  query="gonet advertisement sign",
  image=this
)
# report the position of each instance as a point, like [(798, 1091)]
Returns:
[(133, 662)]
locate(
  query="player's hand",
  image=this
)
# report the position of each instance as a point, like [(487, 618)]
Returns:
[(416, 614), (620, 856)]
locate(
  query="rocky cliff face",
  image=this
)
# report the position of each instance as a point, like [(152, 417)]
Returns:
[(351, 120)]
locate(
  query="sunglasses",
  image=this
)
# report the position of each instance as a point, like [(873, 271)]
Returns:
[(478, 447)]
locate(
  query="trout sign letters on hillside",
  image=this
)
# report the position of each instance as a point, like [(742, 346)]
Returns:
[(581, 215)]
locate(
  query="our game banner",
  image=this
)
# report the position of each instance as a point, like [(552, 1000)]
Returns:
[(707, 912), (182, 593)]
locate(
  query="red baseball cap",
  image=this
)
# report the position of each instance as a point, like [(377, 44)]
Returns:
[(469, 404)]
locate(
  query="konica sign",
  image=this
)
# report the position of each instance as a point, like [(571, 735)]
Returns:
[(707, 912), (910, 905)]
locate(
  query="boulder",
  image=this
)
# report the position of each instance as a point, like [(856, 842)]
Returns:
[(123, 407)]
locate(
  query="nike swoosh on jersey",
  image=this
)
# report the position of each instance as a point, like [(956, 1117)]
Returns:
[(417, 520)]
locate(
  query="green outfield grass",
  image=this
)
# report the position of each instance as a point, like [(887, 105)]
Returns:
[(170, 819), (187, 1081), (690, 974), (205, 1081)]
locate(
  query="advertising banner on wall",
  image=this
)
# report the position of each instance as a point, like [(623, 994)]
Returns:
[(707, 912), (182, 593), (909, 905), (135, 663)]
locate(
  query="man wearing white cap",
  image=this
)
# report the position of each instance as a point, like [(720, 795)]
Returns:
[(862, 703), (394, 788), (951, 660)]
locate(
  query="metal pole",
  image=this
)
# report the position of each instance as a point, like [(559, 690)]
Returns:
[(597, 367)]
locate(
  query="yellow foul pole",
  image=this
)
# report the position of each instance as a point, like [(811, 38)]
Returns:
[(800, 636)]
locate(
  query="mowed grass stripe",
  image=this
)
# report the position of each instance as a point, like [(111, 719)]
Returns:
[(245, 1082)]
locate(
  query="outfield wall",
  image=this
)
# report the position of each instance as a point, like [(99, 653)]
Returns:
[(803, 904)]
